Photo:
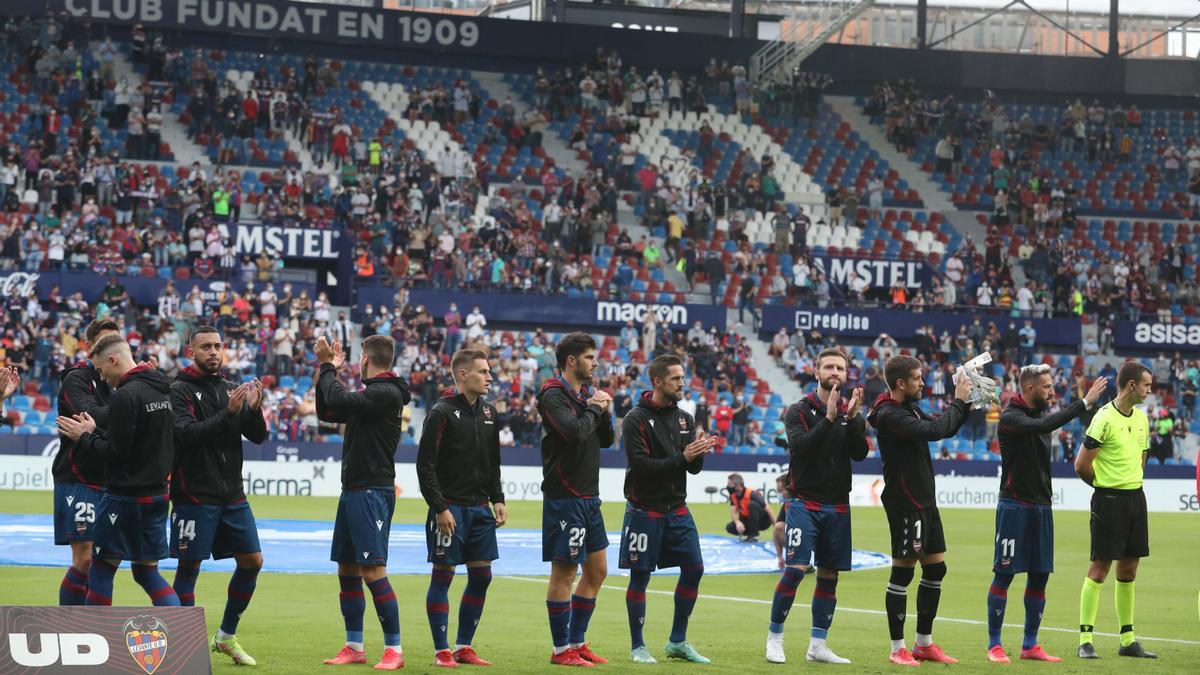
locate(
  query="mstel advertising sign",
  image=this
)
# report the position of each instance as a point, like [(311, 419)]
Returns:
[(128, 640)]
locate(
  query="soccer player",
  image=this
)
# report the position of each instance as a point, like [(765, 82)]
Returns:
[(78, 482), (662, 446), (1112, 459), (910, 501), (210, 515), (137, 449), (824, 434), (576, 423), (1024, 522), (458, 467), (364, 517)]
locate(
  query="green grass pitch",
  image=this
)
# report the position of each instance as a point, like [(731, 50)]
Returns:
[(294, 621)]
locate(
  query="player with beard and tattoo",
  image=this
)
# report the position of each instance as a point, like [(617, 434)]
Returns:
[(910, 501), (1024, 522), (210, 515)]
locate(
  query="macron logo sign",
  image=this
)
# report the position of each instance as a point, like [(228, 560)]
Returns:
[(620, 312)]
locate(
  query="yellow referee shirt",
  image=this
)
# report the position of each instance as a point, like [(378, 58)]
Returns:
[(1120, 441)]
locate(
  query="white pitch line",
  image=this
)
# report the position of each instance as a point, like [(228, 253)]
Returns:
[(877, 612)]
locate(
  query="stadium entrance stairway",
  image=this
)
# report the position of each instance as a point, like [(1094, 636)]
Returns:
[(935, 199), (174, 132), (554, 146)]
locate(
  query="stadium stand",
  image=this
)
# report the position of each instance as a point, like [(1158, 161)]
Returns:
[(442, 185)]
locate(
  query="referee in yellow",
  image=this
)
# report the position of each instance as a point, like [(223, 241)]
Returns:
[(1112, 461)]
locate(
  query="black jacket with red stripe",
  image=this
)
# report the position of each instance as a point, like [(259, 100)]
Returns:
[(655, 437), (904, 433), (572, 434), (821, 450), (208, 439), (373, 419), (1025, 449), (81, 390), (458, 460), (139, 443)]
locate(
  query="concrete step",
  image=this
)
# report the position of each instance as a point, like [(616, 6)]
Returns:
[(174, 132), (931, 193)]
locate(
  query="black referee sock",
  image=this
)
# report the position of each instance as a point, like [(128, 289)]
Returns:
[(896, 600), (929, 593)]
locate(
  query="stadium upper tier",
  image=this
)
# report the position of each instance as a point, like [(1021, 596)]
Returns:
[(1116, 167)]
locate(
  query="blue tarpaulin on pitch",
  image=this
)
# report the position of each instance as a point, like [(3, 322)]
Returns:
[(302, 546)]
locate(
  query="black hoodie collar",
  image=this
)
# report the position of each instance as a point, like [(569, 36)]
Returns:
[(646, 400)]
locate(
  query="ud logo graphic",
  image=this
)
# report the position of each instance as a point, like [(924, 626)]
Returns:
[(70, 649), (146, 638)]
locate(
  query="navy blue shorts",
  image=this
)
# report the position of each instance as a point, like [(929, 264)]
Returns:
[(916, 534), (817, 534), (362, 527), (653, 540), (474, 536), (572, 528), (130, 528), (1024, 538), (199, 531), (75, 512)]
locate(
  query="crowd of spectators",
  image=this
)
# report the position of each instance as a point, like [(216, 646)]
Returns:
[(1041, 215), (1172, 404)]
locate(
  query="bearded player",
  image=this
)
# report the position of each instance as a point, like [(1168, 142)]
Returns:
[(1024, 522), (824, 435), (210, 516), (910, 501), (662, 446)]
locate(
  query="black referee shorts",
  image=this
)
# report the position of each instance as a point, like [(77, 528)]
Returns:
[(1120, 527)]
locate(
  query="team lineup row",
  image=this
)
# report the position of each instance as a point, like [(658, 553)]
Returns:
[(132, 440)]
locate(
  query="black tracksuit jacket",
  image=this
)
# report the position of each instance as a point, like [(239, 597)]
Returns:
[(819, 469), (904, 433), (1025, 449), (81, 390), (572, 435), (208, 439), (373, 419), (655, 437), (458, 461), (138, 445)]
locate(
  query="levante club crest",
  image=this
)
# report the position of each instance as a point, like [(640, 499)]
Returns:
[(146, 638)]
